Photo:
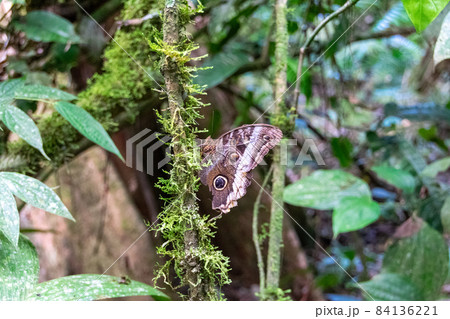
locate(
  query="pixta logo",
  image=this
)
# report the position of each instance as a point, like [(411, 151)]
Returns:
[(142, 147), (141, 152)]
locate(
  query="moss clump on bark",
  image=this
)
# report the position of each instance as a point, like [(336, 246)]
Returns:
[(121, 88)]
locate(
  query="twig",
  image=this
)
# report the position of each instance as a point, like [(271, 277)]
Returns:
[(308, 41), (137, 21), (262, 277)]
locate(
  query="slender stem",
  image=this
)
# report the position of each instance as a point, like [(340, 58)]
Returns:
[(308, 41), (278, 118), (262, 277)]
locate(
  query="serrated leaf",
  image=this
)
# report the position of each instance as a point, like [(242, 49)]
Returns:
[(44, 26), (7, 91), (353, 213), (423, 12), (84, 123), (19, 269), (442, 48), (21, 124), (9, 216), (35, 193), (390, 287), (92, 287), (397, 177), (434, 168), (36, 92), (421, 255), (324, 189)]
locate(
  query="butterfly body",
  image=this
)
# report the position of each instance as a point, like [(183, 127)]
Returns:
[(229, 160)]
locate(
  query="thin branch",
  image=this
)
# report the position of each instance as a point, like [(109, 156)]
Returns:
[(383, 34), (262, 277), (137, 21), (308, 41)]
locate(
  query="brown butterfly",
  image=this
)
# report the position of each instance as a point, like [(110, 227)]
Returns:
[(232, 157)]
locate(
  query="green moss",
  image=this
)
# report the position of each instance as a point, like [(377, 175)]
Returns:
[(120, 88), (187, 247)]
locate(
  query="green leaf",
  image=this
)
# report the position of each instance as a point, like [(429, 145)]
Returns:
[(445, 215), (353, 213), (17, 2), (7, 91), (432, 135), (92, 287), (21, 124), (324, 189), (423, 12), (390, 287), (442, 48), (223, 64), (306, 78), (397, 177), (9, 216), (36, 92), (342, 148), (421, 255), (433, 169), (44, 26), (35, 193), (19, 269), (84, 123)]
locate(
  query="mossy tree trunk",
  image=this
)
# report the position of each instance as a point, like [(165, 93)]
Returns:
[(280, 119), (170, 68), (196, 262)]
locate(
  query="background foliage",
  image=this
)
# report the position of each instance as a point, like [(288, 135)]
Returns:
[(373, 98)]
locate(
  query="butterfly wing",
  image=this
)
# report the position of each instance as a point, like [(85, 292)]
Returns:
[(232, 157)]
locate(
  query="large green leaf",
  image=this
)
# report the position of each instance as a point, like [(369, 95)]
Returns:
[(92, 287), (324, 189), (84, 123), (223, 64), (36, 92), (19, 269), (434, 168), (9, 216), (44, 26), (423, 12), (397, 177), (21, 124), (390, 287), (7, 91), (353, 213), (421, 255), (442, 48), (35, 193)]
